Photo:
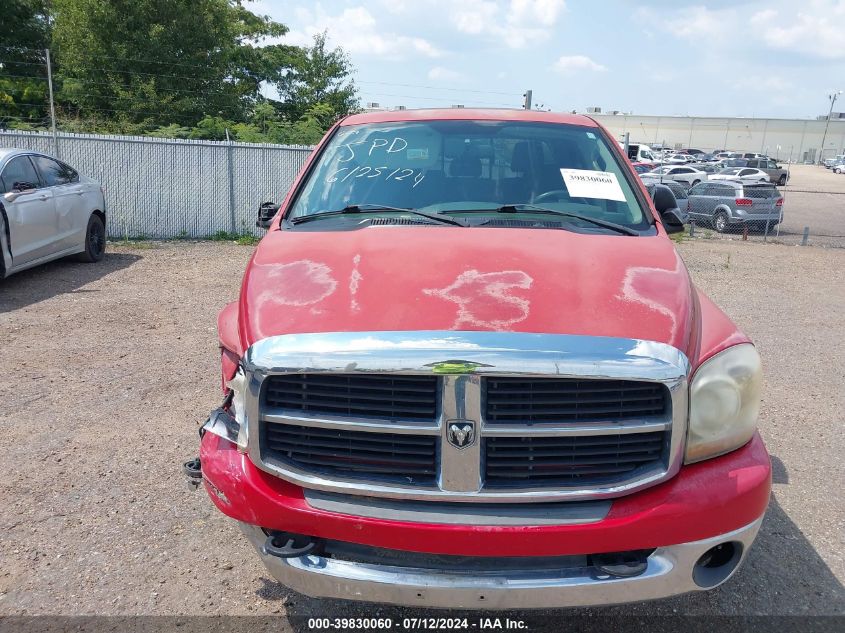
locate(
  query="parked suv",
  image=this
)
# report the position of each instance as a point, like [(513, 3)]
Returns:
[(777, 174), (727, 203), (468, 369)]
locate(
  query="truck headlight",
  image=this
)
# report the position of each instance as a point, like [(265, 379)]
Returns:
[(724, 402)]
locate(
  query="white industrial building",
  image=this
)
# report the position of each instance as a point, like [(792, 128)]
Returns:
[(799, 140)]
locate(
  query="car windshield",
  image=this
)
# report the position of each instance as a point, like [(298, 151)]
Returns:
[(730, 172), (455, 166)]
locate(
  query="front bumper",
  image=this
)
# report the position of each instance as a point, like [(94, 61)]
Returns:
[(743, 217), (670, 571), (713, 497), (721, 500)]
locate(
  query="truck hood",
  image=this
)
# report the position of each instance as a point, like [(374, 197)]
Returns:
[(451, 278)]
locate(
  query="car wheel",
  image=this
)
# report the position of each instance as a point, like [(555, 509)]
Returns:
[(782, 181), (720, 222), (695, 182), (95, 240)]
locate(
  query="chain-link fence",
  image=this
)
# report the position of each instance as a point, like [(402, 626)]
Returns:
[(169, 188)]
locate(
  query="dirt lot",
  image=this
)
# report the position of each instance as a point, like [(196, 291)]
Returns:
[(814, 197), (109, 369)]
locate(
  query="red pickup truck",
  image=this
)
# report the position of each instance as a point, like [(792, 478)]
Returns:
[(467, 368)]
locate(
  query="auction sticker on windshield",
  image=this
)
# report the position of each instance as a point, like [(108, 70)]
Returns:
[(586, 183)]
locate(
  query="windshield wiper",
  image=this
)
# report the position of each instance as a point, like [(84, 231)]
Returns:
[(363, 208), (533, 208)]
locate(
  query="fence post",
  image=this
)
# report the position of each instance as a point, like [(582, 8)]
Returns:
[(52, 103), (692, 228), (806, 236), (231, 170)]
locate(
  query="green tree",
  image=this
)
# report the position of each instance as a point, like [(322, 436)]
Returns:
[(24, 34), (183, 68), (158, 62), (319, 76)]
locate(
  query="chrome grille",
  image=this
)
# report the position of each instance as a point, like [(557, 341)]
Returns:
[(585, 460), (467, 416), (382, 396), (524, 400), (404, 458)]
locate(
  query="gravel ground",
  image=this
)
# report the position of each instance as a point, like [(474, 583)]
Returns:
[(110, 368)]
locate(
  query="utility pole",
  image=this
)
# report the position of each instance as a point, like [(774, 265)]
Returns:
[(526, 105), (52, 104), (833, 96)]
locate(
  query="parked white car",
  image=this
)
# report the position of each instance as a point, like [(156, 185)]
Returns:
[(687, 175), (47, 211), (680, 159), (744, 174)]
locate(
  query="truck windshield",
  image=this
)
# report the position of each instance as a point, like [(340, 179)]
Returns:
[(477, 167)]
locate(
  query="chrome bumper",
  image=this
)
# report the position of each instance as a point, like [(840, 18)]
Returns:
[(669, 572)]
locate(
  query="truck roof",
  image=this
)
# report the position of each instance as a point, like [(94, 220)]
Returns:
[(463, 114)]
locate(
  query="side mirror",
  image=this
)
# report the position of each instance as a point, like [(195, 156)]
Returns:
[(667, 206), (266, 212), (672, 221)]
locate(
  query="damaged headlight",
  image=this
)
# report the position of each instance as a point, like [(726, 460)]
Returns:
[(229, 421), (724, 402)]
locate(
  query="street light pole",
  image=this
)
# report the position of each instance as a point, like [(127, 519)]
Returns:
[(833, 96)]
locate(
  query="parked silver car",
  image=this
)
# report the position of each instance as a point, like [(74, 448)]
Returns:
[(47, 211), (726, 203)]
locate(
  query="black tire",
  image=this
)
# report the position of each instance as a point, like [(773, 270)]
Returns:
[(694, 183), (95, 241), (720, 222), (782, 181)]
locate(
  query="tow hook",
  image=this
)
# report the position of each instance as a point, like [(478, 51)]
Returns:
[(193, 471), (621, 564), (289, 545)]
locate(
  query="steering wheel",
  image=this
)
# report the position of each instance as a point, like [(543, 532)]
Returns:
[(556, 194)]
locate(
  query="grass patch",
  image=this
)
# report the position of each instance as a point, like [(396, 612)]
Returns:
[(244, 238), (247, 240)]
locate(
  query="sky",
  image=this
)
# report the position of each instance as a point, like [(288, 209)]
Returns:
[(769, 58)]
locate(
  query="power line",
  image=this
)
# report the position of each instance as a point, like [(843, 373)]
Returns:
[(87, 108), (106, 83), (181, 64), (17, 63), (125, 72), (207, 93), (121, 59)]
